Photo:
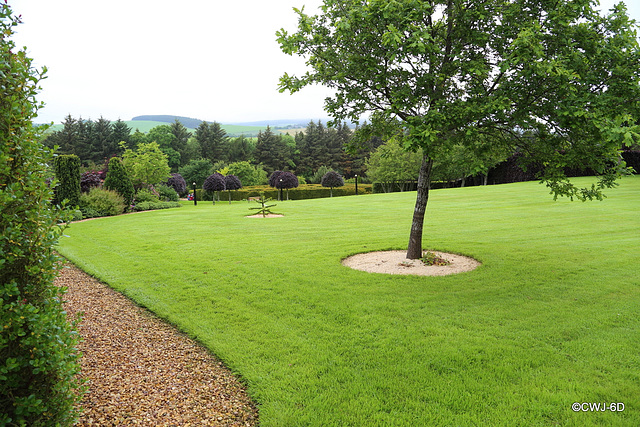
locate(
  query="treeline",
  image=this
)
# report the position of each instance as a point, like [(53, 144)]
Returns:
[(318, 147)]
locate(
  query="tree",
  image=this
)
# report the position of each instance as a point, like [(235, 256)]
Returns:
[(119, 181), (147, 164), (39, 362), (283, 180), (454, 70), (120, 133), (247, 173), (214, 182), (232, 182), (212, 140), (332, 179), (196, 171), (67, 170), (163, 135), (271, 151), (391, 163), (181, 137), (178, 183)]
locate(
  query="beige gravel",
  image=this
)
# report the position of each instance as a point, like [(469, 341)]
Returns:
[(396, 262), (143, 372)]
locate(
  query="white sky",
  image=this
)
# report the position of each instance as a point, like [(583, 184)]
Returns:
[(206, 59)]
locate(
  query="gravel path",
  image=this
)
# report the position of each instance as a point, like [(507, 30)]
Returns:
[(143, 372)]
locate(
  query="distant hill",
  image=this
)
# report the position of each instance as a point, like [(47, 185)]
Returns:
[(249, 129), (194, 123)]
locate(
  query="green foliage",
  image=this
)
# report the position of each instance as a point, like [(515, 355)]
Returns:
[(147, 164), (146, 195), (392, 162), (118, 180), (429, 258), (317, 177), (67, 171), (196, 171), (150, 205), (247, 173), (101, 202), (38, 356), (166, 193), (264, 209), (565, 89)]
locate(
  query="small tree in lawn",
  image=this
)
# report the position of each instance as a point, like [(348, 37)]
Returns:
[(286, 180), (232, 182), (214, 182), (332, 179)]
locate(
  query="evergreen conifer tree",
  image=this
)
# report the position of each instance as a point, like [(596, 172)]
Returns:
[(118, 180)]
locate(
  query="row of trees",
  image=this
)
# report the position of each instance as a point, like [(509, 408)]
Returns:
[(94, 142)]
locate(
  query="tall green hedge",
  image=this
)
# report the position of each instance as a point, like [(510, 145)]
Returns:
[(38, 359), (67, 170), (304, 191), (118, 180)]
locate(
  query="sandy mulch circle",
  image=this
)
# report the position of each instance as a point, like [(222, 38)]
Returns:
[(141, 371), (263, 216), (396, 262)]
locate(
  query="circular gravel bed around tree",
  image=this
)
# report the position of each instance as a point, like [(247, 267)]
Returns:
[(396, 262), (141, 371)]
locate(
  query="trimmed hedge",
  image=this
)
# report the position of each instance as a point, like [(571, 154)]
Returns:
[(304, 191)]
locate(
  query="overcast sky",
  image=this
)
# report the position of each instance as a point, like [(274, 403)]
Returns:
[(210, 60)]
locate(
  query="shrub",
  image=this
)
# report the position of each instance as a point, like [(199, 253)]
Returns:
[(119, 181), (67, 170), (38, 356), (332, 179), (317, 177), (166, 193), (178, 183), (102, 201), (90, 179), (146, 195), (248, 174), (149, 206)]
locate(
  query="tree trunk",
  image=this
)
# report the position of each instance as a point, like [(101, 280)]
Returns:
[(424, 182)]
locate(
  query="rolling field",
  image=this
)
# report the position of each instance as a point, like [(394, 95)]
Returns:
[(146, 125), (552, 317)]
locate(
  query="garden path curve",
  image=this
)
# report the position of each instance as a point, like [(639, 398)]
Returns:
[(142, 371)]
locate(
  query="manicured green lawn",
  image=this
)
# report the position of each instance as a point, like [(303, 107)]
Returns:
[(552, 317)]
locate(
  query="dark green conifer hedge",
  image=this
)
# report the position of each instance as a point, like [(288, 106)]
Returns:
[(67, 170), (118, 180)]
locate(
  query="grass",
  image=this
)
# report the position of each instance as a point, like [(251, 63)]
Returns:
[(549, 319)]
